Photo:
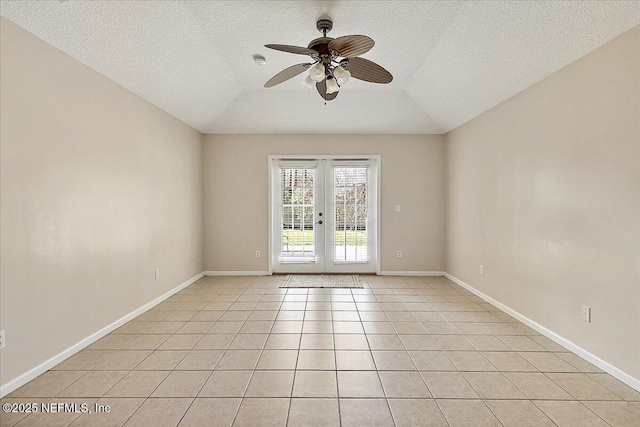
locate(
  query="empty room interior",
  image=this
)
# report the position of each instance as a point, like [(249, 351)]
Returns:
[(320, 213)]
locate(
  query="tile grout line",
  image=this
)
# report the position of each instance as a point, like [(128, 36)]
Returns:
[(422, 377), (295, 371), (575, 399), (257, 361), (205, 381), (210, 373), (425, 382), (148, 397), (335, 358), (384, 392)]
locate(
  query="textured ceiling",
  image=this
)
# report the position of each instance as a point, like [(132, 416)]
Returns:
[(451, 60)]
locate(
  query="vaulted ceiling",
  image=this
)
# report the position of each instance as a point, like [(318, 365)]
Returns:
[(451, 60)]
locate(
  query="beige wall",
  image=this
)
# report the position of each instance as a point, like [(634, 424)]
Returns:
[(99, 188), (236, 196), (544, 190)]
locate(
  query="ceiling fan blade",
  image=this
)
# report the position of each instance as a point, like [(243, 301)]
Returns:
[(287, 74), (369, 71), (322, 90), (351, 46), (292, 49)]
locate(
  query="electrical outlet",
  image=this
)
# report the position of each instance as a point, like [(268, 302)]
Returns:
[(481, 270), (257, 254), (399, 254), (157, 273), (3, 342), (586, 314), (398, 208)]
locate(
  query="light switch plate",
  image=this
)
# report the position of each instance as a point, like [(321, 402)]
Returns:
[(586, 313)]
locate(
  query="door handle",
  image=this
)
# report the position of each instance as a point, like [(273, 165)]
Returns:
[(319, 222)]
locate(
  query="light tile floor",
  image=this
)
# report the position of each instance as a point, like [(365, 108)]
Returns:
[(407, 351)]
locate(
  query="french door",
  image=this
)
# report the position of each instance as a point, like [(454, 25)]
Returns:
[(324, 215)]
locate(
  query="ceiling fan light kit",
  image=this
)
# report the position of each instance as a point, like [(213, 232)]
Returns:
[(332, 85), (317, 72), (334, 62), (308, 82), (341, 75)]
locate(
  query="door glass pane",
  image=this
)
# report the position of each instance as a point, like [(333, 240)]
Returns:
[(298, 238), (350, 214)]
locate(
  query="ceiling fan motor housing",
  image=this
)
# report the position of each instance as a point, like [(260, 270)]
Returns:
[(321, 45)]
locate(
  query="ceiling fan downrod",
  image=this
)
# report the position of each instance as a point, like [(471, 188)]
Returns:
[(324, 26)]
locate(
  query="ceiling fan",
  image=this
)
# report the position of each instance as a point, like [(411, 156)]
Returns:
[(334, 61)]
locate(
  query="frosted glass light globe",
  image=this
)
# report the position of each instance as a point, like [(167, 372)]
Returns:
[(341, 75), (308, 82), (332, 86), (317, 72)]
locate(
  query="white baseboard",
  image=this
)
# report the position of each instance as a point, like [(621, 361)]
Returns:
[(411, 273), (268, 273), (237, 273), (65, 354), (590, 357)]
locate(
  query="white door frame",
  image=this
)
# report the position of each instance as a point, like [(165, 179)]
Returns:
[(272, 160)]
